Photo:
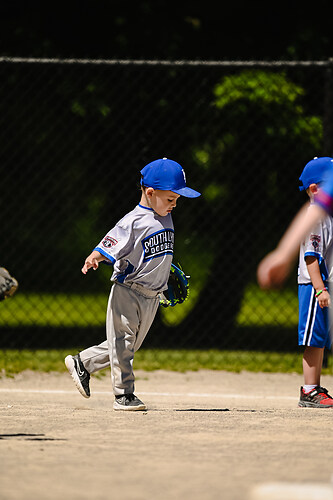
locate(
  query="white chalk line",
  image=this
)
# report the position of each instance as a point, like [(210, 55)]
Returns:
[(166, 394), (293, 491)]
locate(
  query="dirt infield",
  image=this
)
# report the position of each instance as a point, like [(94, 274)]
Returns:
[(206, 435)]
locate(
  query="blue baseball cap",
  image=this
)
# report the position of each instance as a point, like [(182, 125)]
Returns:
[(166, 175), (315, 171)]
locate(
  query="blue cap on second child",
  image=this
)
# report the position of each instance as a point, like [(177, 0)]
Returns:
[(167, 175), (315, 171)]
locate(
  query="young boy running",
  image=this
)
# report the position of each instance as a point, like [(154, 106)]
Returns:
[(140, 248)]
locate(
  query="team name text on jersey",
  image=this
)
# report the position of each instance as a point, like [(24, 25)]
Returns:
[(158, 244)]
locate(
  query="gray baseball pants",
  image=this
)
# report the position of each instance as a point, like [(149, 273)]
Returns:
[(130, 313)]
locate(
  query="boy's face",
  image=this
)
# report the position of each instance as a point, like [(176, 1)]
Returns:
[(162, 202)]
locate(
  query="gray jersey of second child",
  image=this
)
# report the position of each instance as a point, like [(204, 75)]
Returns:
[(319, 243), (140, 248)]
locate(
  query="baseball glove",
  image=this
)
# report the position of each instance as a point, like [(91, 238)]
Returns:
[(178, 288), (8, 284)]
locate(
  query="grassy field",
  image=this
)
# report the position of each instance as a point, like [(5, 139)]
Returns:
[(16, 361), (258, 308), (273, 307)]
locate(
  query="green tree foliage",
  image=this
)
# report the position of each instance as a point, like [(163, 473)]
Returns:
[(249, 171)]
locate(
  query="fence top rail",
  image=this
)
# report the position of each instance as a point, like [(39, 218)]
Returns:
[(144, 62)]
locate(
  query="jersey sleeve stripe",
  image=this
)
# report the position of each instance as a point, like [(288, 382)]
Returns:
[(106, 255)]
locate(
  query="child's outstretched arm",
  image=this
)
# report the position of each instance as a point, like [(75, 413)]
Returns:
[(92, 261), (275, 267)]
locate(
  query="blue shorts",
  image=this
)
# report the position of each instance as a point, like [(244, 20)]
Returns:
[(313, 321)]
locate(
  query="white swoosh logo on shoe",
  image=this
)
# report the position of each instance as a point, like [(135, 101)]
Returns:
[(78, 369)]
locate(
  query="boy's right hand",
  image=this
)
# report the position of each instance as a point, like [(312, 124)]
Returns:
[(90, 262)]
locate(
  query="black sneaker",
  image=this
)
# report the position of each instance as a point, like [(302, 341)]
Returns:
[(128, 402), (79, 374), (317, 398)]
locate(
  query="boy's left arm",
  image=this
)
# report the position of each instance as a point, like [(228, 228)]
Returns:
[(317, 281)]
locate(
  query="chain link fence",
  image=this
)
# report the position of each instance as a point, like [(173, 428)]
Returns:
[(74, 136)]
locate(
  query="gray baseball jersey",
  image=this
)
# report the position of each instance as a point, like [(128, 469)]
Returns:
[(318, 243), (140, 247)]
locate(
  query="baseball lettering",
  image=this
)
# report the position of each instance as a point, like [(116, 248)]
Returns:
[(158, 244)]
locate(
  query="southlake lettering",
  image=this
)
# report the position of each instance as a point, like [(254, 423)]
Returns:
[(157, 244)]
